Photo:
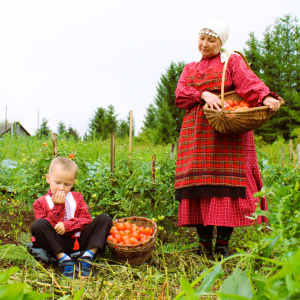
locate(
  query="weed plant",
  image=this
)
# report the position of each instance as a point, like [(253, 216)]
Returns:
[(266, 260)]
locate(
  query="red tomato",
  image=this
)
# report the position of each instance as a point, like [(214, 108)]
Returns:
[(71, 156), (148, 231), (110, 238), (120, 226), (136, 235), (114, 232), (133, 241), (118, 237), (143, 239), (230, 102), (127, 232), (244, 103), (128, 225)]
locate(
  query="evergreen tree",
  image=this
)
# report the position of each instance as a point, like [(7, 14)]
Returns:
[(276, 61), (124, 127), (150, 117), (103, 123), (72, 133), (61, 129), (163, 118), (44, 130)]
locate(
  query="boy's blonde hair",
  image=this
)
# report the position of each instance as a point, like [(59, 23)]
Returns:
[(66, 163)]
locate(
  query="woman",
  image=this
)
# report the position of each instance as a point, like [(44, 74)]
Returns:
[(216, 174)]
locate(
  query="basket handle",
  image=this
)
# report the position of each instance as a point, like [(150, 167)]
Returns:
[(224, 72)]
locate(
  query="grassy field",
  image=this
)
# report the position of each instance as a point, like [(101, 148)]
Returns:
[(264, 261)]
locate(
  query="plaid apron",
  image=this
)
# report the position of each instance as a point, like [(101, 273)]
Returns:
[(209, 163)]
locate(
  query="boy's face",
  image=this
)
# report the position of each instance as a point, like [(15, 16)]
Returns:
[(60, 180)]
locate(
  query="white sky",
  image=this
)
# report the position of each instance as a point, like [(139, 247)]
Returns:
[(65, 58)]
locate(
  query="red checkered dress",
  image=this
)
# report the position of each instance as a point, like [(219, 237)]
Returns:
[(218, 162)]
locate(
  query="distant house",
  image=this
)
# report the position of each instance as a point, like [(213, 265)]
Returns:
[(14, 128)]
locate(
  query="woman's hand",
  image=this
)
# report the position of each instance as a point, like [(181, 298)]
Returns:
[(60, 228), (214, 102), (272, 103), (59, 197)]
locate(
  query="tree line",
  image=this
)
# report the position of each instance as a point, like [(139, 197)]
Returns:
[(275, 59), (103, 123)]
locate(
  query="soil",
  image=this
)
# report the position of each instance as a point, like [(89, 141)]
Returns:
[(14, 224)]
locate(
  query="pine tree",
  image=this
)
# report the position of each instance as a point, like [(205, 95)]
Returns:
[(61, 129), (163, 119), (150, 117), (103, 123), (276, 60), (72, 133), (44, 131)]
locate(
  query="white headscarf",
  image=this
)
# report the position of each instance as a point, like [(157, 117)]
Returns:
[(218, 27)]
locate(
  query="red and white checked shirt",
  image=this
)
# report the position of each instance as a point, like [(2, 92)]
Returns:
[(79, 222)]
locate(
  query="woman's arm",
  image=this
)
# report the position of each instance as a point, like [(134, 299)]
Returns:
[(246, 82), (186, 96)]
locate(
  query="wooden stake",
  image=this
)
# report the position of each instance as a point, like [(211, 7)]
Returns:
[(38, 128), (298, 155), (112, 153), (282, 157), (153, 167), (172, 151), (291, 148), (130, 137), (54, 137), (6, 119)]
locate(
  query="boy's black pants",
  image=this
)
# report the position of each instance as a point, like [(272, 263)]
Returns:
[(95, 234)]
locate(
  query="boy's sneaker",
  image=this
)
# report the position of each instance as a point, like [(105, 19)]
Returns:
[(67, 267), (85, 266)]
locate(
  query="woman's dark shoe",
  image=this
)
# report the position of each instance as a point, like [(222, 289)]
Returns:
[(199, 250), (222, 251)]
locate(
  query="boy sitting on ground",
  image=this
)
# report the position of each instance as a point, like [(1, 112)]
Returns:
[(63, 223)]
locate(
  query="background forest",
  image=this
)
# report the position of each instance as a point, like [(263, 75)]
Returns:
[(275, 58)]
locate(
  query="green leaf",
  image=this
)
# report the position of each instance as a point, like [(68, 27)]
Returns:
[(296, 186), (78, 295), (232, 297), (238, 284), (187, 288), (4, 277), (209, 280), (13, 291), (34, 295)]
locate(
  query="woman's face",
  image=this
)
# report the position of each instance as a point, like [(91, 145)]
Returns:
[(208, 45)]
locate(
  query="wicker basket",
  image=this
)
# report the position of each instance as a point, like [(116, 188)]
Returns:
[(237, 122), (139, 253)]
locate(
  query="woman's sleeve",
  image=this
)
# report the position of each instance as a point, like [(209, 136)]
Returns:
[(246, 82), (186, 96)]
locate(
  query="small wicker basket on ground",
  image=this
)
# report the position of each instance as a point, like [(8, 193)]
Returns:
[(135, 254), (237, 122)]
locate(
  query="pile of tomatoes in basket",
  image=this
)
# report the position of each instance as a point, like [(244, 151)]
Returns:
[(238, 105), (127, 233)]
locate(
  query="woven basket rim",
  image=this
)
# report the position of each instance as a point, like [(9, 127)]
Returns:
[(148, 241), (260, 108)]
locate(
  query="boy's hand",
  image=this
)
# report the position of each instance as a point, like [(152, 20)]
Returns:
[(60, 228), (59, 197)]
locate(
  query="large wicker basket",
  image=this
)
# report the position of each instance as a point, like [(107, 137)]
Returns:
[(135, 254), (237, 122)]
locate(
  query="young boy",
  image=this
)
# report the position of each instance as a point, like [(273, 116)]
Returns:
[(63, 223)]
